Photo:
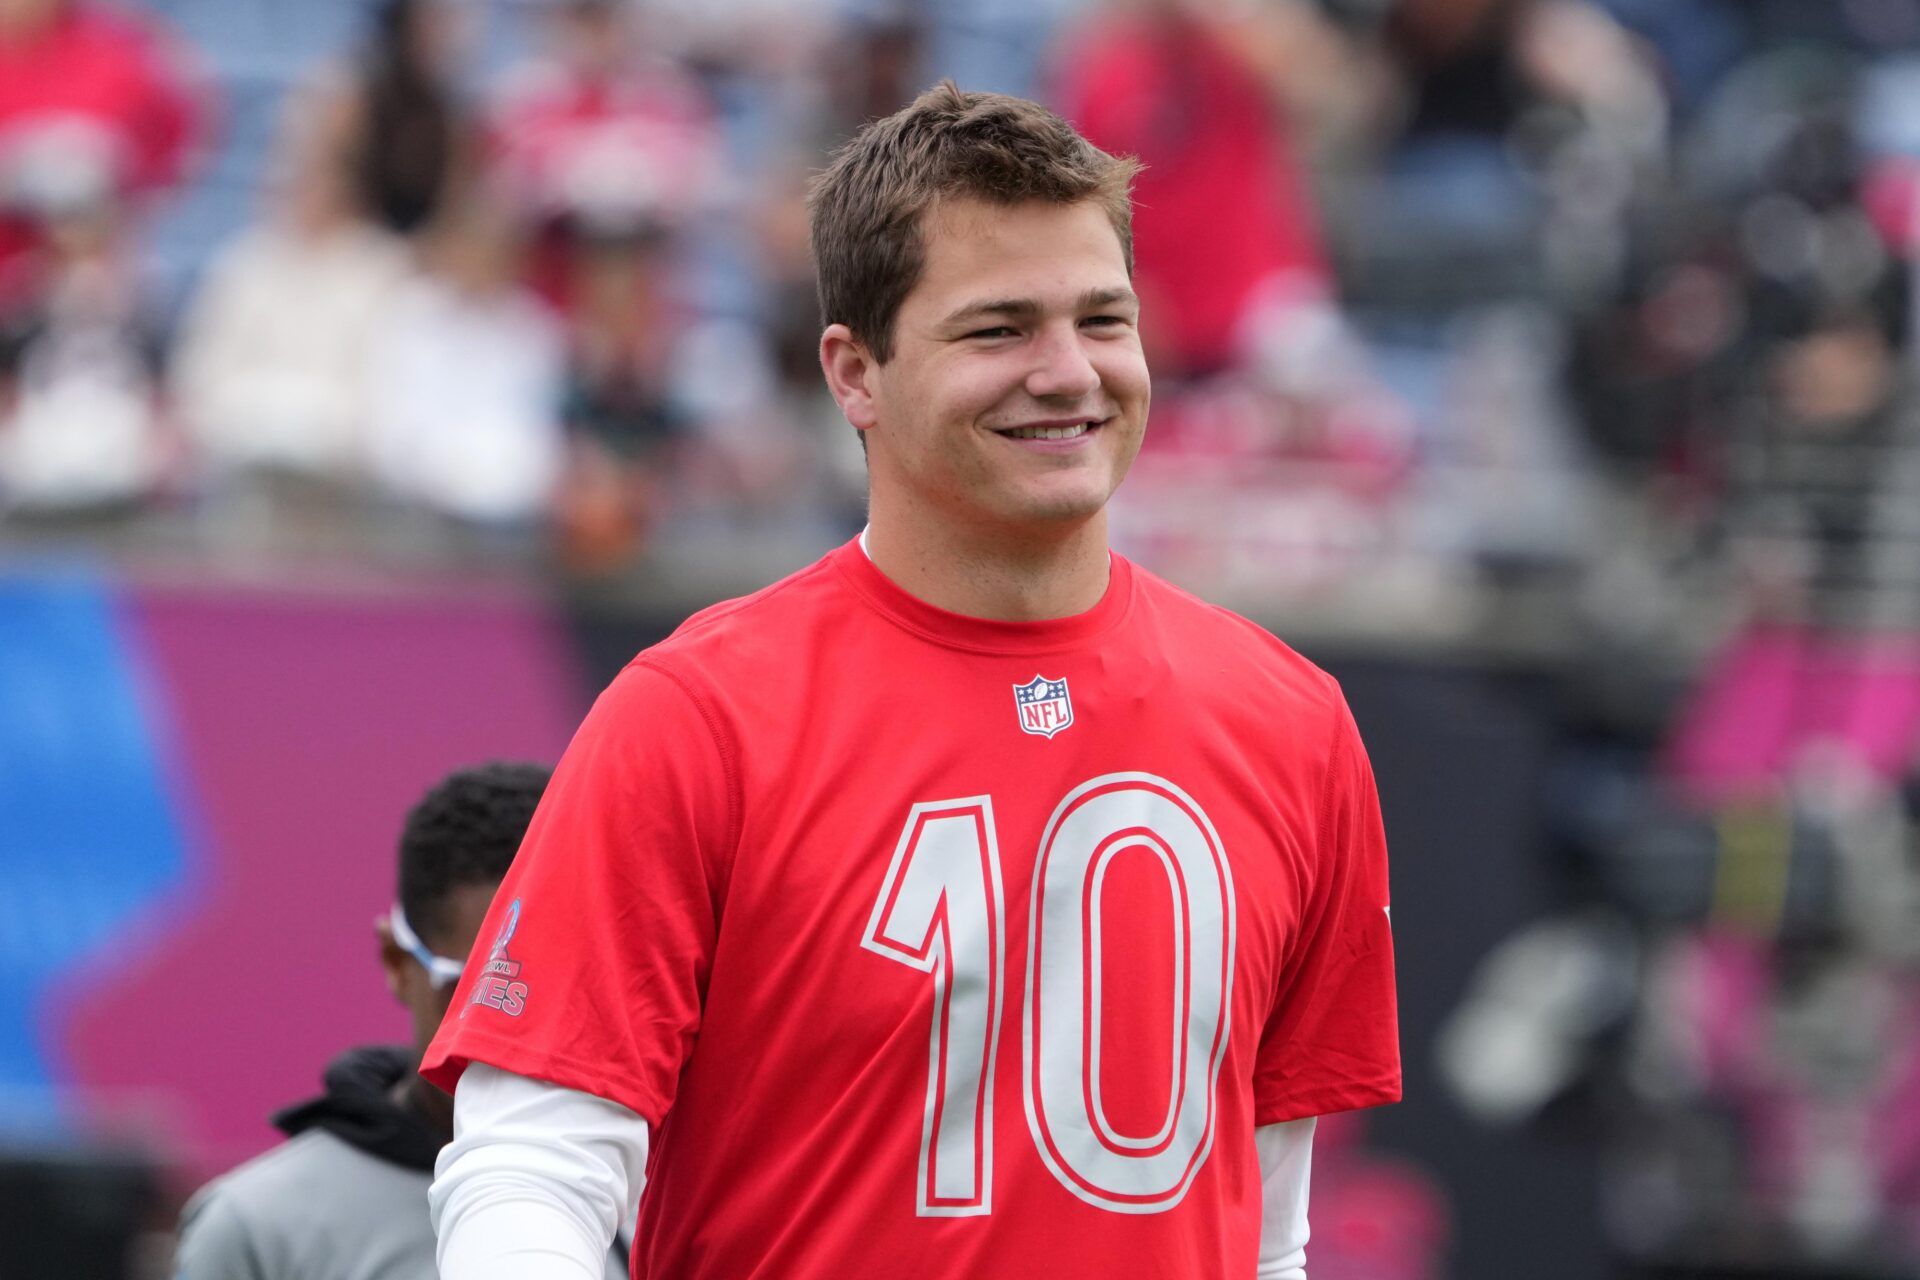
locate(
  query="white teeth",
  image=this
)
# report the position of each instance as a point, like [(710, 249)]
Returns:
[(1048, 433)]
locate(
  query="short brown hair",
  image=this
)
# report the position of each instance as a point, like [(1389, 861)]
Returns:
[(867, 208)]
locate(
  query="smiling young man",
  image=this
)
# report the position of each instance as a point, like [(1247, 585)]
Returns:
[(971, 903)]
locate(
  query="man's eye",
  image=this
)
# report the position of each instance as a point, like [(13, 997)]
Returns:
[(998, 331), (1105, 321)]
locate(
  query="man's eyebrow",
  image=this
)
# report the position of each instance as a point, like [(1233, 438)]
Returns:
[(1090, 300), (993, 307), (1094, 299)]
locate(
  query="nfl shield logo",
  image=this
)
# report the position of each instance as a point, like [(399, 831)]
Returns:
[(1043, 706)]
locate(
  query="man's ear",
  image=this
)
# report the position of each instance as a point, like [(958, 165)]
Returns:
[(850, 369), (393, 957)]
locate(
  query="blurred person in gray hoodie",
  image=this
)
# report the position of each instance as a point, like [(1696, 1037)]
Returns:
[(346, 1194)]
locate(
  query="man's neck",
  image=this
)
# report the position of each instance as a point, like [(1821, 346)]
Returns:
[(1028, 577)]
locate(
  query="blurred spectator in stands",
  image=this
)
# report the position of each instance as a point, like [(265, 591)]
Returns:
[(271, 367), (866, 63), (762, 64), (1462, 64), (96, 116), (395, 115), (89, 99), (1224, 222), (1476, 68), (666, 409), (1521, 131), (994, 46), (872, 71), (1750, 367), (793, 341), (598, 137), (1810, 466), (1239, 300), (617, 157), (467, 377), (1762, 1107), (622, 406), (1762, 1099), (80, 423), (1824, 408), (1698, 41)]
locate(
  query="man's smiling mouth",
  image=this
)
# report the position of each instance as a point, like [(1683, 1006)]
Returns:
[(1053, 431)]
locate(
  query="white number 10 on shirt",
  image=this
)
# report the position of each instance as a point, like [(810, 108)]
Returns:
[(941, 909)]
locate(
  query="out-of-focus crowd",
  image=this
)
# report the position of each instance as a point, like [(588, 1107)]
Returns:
[(1565, 329), (541, 305), (1435, 288), (1456, 307)]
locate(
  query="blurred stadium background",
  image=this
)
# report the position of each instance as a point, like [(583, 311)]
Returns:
[(376, 377)]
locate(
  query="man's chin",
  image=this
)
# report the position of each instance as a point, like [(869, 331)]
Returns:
[(1058, 512)]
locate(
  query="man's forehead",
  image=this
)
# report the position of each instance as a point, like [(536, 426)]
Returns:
[(966, 221), (1041, 252)]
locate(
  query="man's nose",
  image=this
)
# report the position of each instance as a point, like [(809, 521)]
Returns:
[(1062, 370)]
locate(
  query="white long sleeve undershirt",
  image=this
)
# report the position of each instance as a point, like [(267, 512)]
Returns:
[(538, 1179), (1286, 1160)]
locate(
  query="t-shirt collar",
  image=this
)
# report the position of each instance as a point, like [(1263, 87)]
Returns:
[(992, 635)]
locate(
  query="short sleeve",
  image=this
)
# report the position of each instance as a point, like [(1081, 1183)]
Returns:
[(1332, 1039), (591, 969)]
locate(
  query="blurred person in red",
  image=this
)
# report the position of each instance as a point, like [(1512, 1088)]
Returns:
[(595, 136), (85, 91), (1232, 259), (616, 157), (1226, 221)]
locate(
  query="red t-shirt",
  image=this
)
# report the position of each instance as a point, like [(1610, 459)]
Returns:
[(945, 947), (118, 84)]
